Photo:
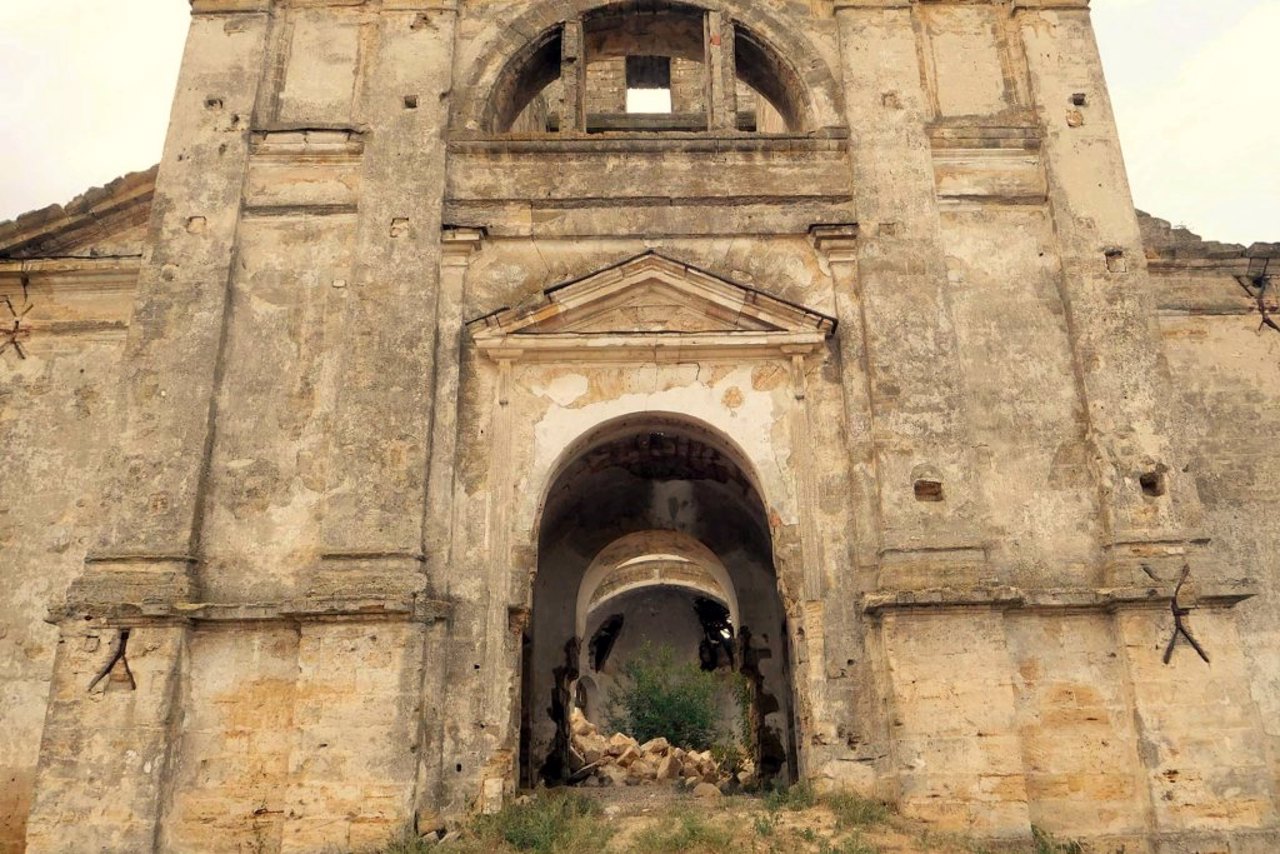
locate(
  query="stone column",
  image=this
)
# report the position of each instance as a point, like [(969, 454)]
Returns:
[(838, 246), (457, 245), (858, 713), (104, 756), (956, 740), (720, 65)]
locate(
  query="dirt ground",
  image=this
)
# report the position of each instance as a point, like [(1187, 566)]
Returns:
[(662, 818)]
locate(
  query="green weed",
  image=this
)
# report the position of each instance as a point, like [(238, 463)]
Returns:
[(849, 845), (553, 823), (685, 832), (1046, 843), (797, 797), (855, 811)]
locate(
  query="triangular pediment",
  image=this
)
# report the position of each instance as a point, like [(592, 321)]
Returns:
[(646, 301)]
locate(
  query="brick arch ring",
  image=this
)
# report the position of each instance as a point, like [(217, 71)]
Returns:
[(514, 64)]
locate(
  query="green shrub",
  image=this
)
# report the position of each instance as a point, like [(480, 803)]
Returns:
[(729, 755), (663, 697)]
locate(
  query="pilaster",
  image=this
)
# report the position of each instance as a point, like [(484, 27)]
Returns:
[(374, 516), (105, 753), (1150, 509), (930, 510)]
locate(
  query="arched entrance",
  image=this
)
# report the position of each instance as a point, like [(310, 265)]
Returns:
[(653, 529)]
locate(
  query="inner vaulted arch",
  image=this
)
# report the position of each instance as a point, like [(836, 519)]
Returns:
[(653, 529)]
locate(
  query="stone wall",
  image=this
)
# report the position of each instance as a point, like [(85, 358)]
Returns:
[(59, 409), (289, 474), (1223, 362)]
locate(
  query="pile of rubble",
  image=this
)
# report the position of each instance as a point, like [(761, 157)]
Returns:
[(620, 760)]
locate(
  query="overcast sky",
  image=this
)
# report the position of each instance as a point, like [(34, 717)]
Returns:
[(85, 87)]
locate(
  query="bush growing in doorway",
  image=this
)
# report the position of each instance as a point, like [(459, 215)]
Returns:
[(661, 696)]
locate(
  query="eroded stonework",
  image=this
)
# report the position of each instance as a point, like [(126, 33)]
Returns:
[(335, 444)]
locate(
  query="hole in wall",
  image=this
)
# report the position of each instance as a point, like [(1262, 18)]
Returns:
[(715, 650), (928, 490), (212, 103), (1078, 99), (411, 102), (1152, 482), (603, 640), (648, 84), (1116, 262)]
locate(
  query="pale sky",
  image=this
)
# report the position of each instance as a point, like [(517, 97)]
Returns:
[(85, 88)]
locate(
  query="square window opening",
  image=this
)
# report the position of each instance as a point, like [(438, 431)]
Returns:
[(649, 84)]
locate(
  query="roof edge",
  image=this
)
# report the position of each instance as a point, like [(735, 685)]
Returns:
[(41, 232)]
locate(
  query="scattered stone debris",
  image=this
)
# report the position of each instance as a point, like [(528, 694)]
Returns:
[(620, 760)]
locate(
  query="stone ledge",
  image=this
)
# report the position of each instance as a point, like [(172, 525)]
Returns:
[(836, 140), (1222, 594), (317, 609)]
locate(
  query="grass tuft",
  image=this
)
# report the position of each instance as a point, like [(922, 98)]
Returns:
[(797, 797), (854, 811), (1046, 843), (552, 823), (408, 842), (850, 845), (685, 832)]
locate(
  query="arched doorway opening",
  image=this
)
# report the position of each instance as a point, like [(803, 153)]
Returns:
[(653, 531)]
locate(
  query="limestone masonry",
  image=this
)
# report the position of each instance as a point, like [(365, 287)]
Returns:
[(456, 347)]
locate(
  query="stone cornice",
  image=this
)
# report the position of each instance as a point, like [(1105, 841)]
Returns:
[(1223, 594), (330, 609), (56, 230), (1014, 5)]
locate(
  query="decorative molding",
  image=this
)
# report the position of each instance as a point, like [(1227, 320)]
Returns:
[(654, 308), (836, 242)]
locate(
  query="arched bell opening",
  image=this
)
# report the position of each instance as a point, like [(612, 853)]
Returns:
[(653, 531), (647, 65)]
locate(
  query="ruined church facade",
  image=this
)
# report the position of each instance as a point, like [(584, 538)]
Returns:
[(332, 443)]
